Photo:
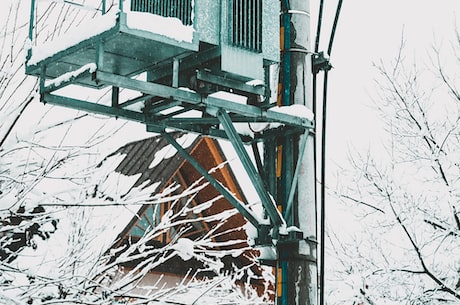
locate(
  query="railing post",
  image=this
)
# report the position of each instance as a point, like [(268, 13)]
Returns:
[(104, 8), (120, 5), (31, 27)]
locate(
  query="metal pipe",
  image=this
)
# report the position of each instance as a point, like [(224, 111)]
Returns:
[(318, 27), (298, 256), (175, 76)]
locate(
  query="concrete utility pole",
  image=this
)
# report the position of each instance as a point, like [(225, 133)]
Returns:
[(297, 263)]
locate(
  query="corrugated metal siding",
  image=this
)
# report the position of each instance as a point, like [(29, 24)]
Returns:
[(181, 9), (246, 24)]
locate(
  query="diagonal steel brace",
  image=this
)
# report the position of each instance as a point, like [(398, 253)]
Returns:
[(214, 182), (267, 202)]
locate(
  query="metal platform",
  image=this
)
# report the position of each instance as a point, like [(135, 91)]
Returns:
[(117, 50), (115, 54), (180, 92)]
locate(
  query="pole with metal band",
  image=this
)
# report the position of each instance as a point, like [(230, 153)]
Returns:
[(297, 257)]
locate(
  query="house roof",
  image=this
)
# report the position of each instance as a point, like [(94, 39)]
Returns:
[(155, 161)]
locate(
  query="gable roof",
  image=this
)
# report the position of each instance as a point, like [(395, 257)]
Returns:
[(155, 161)]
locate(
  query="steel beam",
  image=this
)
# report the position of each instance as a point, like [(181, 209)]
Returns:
[(92, 107), (148, 87), (135, 100), (267, 202), (214, 182), (31, 27), (54, 87), (161, 70), (251, 112), (292, 191), (115, 97), (229, 82)]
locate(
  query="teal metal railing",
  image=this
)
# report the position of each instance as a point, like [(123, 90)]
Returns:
[(32, 21)]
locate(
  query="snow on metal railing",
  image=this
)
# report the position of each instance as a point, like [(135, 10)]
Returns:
[(32, 21)]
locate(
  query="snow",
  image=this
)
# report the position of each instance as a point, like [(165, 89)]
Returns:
[(91, 67), (73, 37), (228, 96), (184, 248), (255, 82), (267, 253), (295, 110), (117, 185), (169, 151), (7, 201), (166, 26)]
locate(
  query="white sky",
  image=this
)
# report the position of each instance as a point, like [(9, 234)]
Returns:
[(370, 30)]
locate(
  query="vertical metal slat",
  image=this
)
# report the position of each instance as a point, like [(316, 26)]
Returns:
[(240, 18), (181, 9), (257, 24), (254, 21), (245, 23)]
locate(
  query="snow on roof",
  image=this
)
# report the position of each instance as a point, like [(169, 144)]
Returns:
[(169, 151), (108, 217)]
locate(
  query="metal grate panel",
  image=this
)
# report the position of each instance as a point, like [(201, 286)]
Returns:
[(181, 9), (246, 24)]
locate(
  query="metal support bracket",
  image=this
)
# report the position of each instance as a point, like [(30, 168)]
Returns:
[(321, 63), (56, 86), (251, 113), (215, 183), (227, 82), (267, 202), (295, 180)]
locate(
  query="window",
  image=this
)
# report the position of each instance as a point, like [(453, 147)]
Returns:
[(188, 223), (246, 24), (181, 9)]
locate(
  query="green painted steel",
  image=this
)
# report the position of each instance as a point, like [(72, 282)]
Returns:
[(56, 86), (226, 193), (93, 107), (267, 201), (252, 113), (31, 26), (147, 87), (234, 84), (290, 202)]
